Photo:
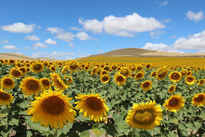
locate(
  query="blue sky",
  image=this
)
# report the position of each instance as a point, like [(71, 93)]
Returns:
[(67, 29)]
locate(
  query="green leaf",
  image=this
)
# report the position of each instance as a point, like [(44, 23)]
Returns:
[(14, 121), (99, 132), (85, 133), (29, 133)]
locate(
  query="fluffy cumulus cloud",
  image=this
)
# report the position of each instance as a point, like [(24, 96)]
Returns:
[(76, 29), (193, 42), (50, 41), (54, 30), (19, 28), (92, 25), (126, 26), (10, 47), (195, 16), (32, 37), (4, 41), (39, 44), (82, 36)]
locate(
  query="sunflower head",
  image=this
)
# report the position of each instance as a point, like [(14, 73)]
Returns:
[(199, 99), (174, 103), (104, 72), (37, 67), (139, 75), (5, 98), (92, 106), (162, 73), (125, 72), (171, 89), (7, 83), (190, 79), (30, 86), (105, 78), (52, 109), (153, 74), (175, 76), (148, 66), (58, 83), (23, 70), (119, 79), (15, 72), (184, 72), (69, 79), (146, 85), (45, 83), (73, 66), (201, 82), (144, 116)]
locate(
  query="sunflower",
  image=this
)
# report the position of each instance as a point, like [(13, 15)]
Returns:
[(5, 98), (105, 78), (16, 73), (174, 103), (7, 83), (162, 73), (184, 72), (148, 66), (52, 68), (139, 75), (201, 82), (23, 70), (119, 79), (52, 109), (58, 83), (146, 85), (153, 74), (125, 72), (37, 67), (94, 71), (73, 66), (144, 116), (45, 83), (175, 76), (92, 106), (65, 69), (198, 99), (190, 79), (114, 67), (69, 79), (171, 89), (104, 72), (30, 86), (11, 61)]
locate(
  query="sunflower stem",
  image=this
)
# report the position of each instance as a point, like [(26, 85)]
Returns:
[(55, 132), (133, 132)]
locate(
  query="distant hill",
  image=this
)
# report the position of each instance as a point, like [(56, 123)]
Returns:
[(22, 57), (137, 52)]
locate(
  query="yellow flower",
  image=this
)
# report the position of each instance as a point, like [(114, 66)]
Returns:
[(52, 109), (5, 98), (146, 85), (45, 83), (105, 78), (37, 67), (30, 86), (175, 76), (119, 79), (73, 66), (144, 116), (171, 89), (174, 103), (125, 72), (139, 75), (15, 72), (7, 83), (58, 83), (190, 79), (92, 106), (162, 73), (199, 99)]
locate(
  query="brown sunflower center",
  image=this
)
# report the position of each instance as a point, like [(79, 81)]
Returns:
[(23, 70), (32, 85), (120, 79), (106, 68), (139, 75), (8, 82), (125, 72), (190, 79), (73, 66), (45, 82), (53, 105), (37, 67), (4, 96), (104, 72), (173, 102), (162, 73), (16, 73), (93, 103), (175, 76), (171, 88), (199, 98), (144, 117), (146, 84), (105, 78)]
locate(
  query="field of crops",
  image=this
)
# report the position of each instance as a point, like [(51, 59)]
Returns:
[(140, 97)]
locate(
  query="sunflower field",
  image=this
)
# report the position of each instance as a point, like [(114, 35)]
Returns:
[(103, 99)]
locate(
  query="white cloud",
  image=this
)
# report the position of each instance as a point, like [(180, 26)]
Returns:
[(10, 47), (92, 25), (4, 41), (76, 29), (159, 47), (32, 37), (50, 41), (156, 34), (71, 45), (19, 28), (82, 36), (60, 55), (54, 30), (196, 41), (37, 54), (195, 16), (39, 44), (65, 36), (126, 26)]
